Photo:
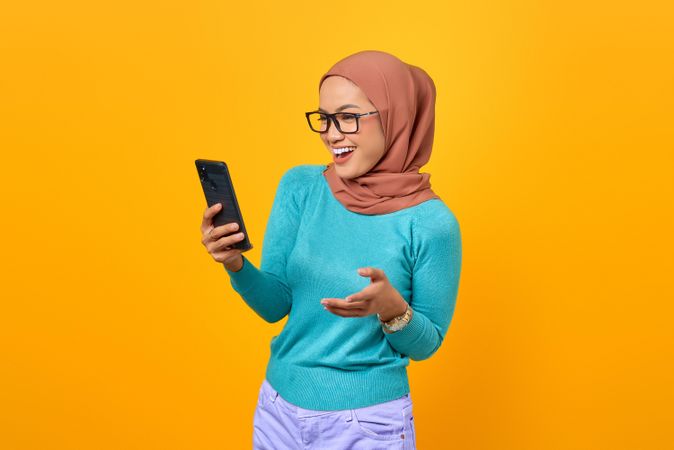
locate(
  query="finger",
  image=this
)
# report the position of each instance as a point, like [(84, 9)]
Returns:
[(207, 220), (226, 255), (372, 272), (346, 312), (224, 230), (343, 304), (366, 293), (357, 298), (227, 241)]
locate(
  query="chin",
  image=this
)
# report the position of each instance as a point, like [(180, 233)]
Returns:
[(344, 172), (352, 170), (347, 176), (342, 175)]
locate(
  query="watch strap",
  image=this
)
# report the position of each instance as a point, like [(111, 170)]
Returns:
[(399, 322)]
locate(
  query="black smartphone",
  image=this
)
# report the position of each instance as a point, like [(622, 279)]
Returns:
[(218, 188)]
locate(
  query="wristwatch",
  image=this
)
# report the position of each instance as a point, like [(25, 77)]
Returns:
[(397, 323)]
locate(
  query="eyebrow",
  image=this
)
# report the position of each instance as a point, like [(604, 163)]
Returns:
[(341, 107)]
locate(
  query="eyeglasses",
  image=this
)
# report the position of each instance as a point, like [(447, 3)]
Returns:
[(346, 123)]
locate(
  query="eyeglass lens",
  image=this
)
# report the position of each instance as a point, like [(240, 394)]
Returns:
[(347, 122)]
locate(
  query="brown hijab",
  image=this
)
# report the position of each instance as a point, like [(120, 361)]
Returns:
[(404, 95)]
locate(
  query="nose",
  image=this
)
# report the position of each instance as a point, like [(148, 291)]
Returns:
[(333, 132)]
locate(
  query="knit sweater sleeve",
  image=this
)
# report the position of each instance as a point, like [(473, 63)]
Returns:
[(266, 289), (435, 282)]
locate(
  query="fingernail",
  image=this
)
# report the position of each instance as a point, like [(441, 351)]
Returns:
[(324, 302)]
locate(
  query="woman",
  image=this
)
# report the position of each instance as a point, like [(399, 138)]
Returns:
[(361, 255)]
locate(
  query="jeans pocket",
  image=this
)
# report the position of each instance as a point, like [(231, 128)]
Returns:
[(265, 394), (384, 421), (260, 397)]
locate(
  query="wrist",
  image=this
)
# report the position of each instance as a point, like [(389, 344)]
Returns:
[(236, 266), (398, 309), (397, 323)]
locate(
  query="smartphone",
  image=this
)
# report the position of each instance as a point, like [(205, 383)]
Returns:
[(218, 188)]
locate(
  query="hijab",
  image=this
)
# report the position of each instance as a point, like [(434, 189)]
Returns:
[(404, 95)]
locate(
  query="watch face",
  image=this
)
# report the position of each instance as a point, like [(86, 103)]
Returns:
[(398, 322), (397, 326)]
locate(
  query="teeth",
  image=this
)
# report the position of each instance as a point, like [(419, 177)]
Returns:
[(340, 150)]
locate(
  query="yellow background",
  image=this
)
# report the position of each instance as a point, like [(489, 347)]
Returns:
[(554, 148)]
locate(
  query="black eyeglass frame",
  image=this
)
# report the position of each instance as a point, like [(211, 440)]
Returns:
[(333, 118)]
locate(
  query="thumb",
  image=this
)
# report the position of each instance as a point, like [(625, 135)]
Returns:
[(369, 272)]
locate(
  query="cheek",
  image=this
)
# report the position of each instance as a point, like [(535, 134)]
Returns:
[(374, 141), (374, 147)]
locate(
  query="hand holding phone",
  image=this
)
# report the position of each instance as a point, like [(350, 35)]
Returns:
[(223, 217), (220, 240)]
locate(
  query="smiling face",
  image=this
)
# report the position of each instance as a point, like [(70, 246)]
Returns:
[(369, 141)]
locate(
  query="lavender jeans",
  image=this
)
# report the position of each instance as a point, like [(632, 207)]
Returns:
[(280, 425)]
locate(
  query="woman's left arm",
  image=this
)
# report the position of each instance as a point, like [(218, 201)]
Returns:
[(436, 246), (435, 284)]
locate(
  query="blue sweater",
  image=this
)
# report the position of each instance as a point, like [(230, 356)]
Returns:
[(312, 249)]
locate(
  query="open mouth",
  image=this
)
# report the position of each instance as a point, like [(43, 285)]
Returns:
[(344, 156)]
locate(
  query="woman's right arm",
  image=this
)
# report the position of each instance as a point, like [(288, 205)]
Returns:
[(266, 289)]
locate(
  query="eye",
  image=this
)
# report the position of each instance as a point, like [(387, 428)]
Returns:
[(347, 117)]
